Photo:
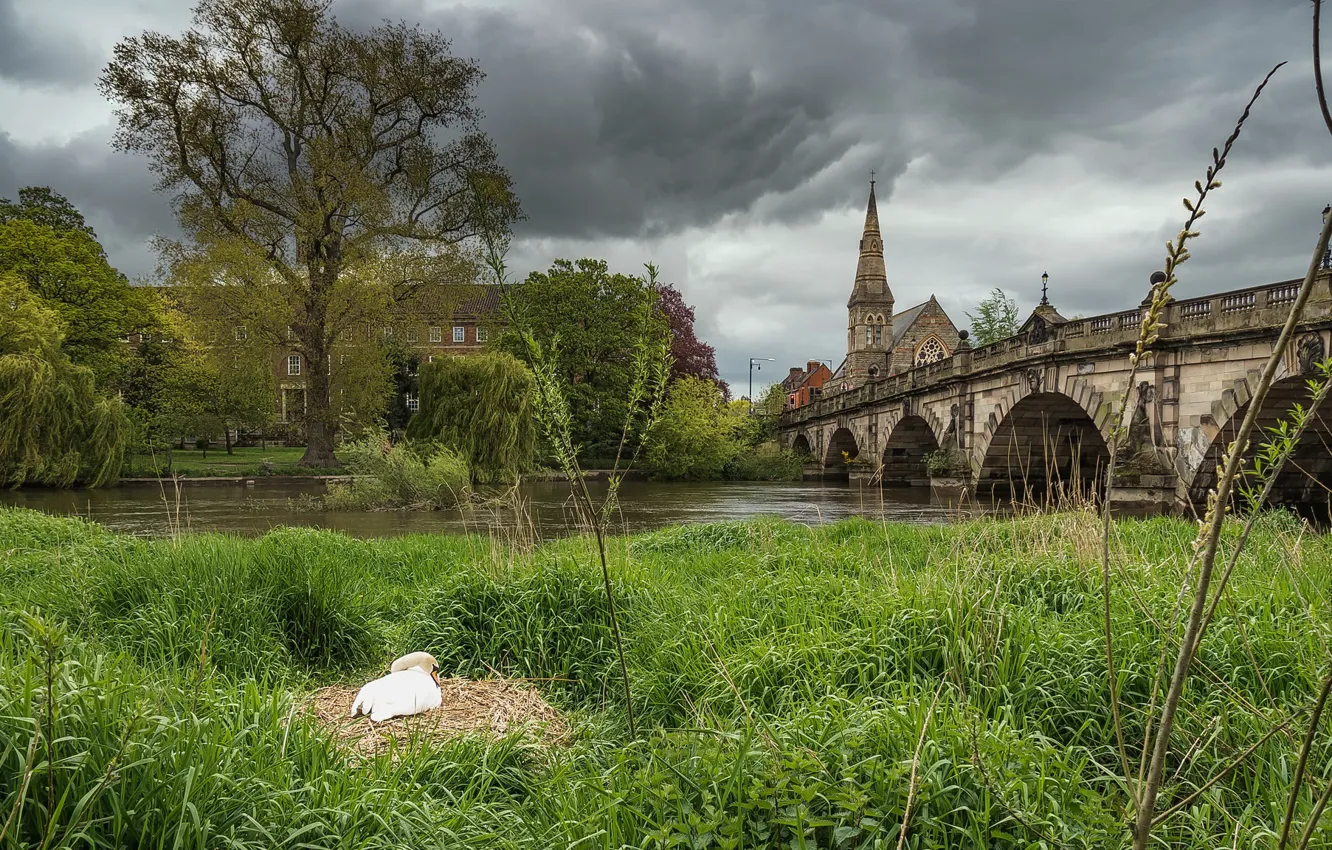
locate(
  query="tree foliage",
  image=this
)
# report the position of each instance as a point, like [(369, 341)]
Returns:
[(480, 407), (41, 205), (218, 386), (698, 434), (689, 354), (996, 318), (579, 313), (54, 427), (67, 269), (324, 169)]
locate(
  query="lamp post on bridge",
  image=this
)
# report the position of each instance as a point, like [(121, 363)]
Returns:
[(755, 362)]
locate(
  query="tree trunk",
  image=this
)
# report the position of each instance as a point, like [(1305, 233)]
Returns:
[(226, 436), (320, 427)]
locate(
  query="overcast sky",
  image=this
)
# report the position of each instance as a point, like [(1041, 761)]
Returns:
[(730, 141)]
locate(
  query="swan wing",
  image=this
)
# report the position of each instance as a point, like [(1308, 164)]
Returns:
[(398, 694)]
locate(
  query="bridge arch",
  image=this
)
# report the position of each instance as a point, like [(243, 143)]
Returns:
[(801, 445), (1305, 482), (1045, 443), (903, 461), (841, 440)]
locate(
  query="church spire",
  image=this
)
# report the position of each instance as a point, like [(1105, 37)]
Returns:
[(871, 277)]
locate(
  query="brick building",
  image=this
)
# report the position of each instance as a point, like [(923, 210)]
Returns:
[(465, 328), (805, 385), (880, 342)]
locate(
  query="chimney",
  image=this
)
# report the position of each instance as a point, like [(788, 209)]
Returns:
[(812, 366), (795, 370)]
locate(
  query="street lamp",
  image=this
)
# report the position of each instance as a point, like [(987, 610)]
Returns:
[(1045, 283), (755, 363)]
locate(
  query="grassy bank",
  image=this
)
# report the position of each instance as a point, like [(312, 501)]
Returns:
[(783, 676), (216, 463)]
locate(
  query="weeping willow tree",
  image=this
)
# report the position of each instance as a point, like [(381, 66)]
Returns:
[(480, 407), (54, 427)]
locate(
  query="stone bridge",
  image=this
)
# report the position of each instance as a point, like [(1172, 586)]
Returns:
[(1032, 413)]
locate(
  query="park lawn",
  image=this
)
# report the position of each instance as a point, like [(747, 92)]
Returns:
[(782, 676), (216, 463)]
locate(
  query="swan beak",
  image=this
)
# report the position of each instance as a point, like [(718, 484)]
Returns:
[(434, 674)]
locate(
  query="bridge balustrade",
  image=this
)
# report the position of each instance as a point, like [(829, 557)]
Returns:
[(1182, 319)]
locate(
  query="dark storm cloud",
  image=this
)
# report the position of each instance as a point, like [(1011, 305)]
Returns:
[(610, 129), (114, 191), (33, 55)]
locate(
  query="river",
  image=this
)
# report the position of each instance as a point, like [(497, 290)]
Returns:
[(251, 510)]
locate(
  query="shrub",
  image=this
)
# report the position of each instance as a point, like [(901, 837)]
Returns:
[(765, 462), (697, 434), (409, 475)]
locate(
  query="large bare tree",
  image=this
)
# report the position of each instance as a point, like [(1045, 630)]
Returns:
[(314, 158)]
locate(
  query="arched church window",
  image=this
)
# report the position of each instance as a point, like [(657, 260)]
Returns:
[(869, 334), (930, 351), (878, 334)]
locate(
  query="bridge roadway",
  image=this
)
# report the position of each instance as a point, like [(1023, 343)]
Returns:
[(1030, 415)]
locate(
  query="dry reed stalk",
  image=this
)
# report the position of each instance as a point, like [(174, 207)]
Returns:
[(1209, 538), (915, 766)]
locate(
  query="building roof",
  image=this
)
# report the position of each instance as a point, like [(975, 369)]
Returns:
[(903, 321)]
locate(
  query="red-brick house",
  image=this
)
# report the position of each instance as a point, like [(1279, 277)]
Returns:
[(805, 385)]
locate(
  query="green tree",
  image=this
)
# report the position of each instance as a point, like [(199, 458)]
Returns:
[(148, 391), (577, 312), (698, 434), (221, 387), (327, 168), (54, 427), (40, 205), (996, 318), (479, 407), (68, 271)]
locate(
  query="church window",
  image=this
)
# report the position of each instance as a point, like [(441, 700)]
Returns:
[(878, 334), (869, 334), (930, 351)]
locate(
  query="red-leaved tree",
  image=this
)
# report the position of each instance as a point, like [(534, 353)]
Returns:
[(690, 355)]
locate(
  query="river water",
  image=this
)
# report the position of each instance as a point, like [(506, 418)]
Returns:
[(546, 510)]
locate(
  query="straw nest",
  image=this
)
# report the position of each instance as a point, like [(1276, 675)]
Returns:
[(493, 707)]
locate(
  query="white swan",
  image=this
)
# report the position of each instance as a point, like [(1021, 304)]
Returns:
[(411, 687)]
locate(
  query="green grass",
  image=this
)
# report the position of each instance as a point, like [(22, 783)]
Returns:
[(216, 463), (782, 675)]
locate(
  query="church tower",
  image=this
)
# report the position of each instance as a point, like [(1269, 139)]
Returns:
[(869, 322)]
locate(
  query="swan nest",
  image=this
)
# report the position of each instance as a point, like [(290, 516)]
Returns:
[(493, 707)]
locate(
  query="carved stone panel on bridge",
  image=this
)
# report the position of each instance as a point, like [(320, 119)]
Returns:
[(1309, 353)]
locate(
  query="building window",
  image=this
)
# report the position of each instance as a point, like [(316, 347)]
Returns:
[(411, 335), (930, 351), (878, 334), (293, 364), (459, 333), (388, 332), (436, 334), (869, 334), (342, 359), (482, 334), (413, 403), (430, 358), (241, 333)]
